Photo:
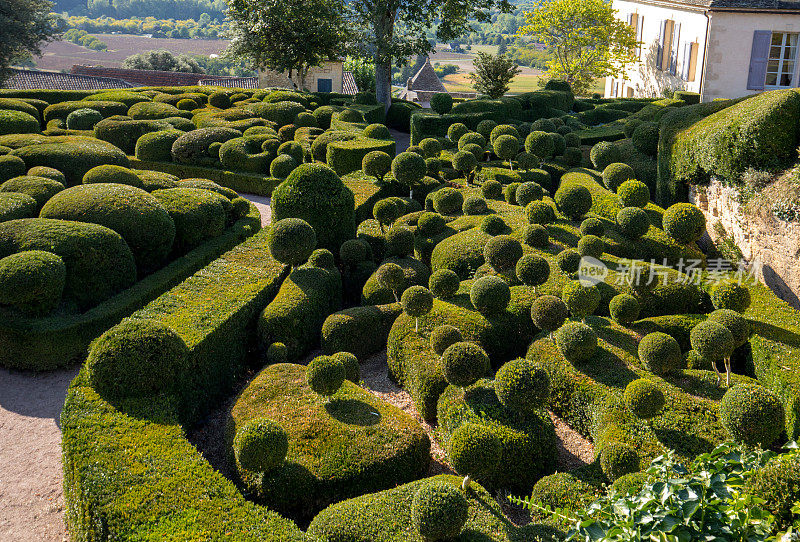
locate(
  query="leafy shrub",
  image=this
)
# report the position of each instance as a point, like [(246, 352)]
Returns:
[(193, 147), (569, 260), (448, 201), (490, 294), (660, 353), (778, 484), (539, 212), (633, 193), (624, 309), (752, 414), (83, 119), (475, 205), (573, 156), (431, 147), (712, 341), (573, 200), (11, 166), (548, 313), (319, 148), (645, 138), (15, 205), (633, 222), (540, 144), (391, 276), (474, 451), (643, 398), (40, 189), (617, 173), (536, 235), (532, 270), (156, 146), (152, 111), (463, 363), (430, 224), (199, 215), (684, 223), (282, 166), (399, 241), (360, 330), (731, 295), (502, 252), (485, 128), (738, 325), (439, 510), (576, 341), (443, 336), (604, 154), (444, 283), (493, 225), (464, 161), (276, 353), (73, 156), (592, 226), (291, 241), (591, 245), (32, 281), (506, 147), (18, 122), (492, 189), (260, 445), (522, 385), (510, 192), (582, 300), (377, 164), (528, 192), (409, 168), (109, 173), (618, 459), (325, 375)]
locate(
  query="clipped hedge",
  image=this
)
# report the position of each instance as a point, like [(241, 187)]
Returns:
[(346, 156), (71, 155), (359, 330)]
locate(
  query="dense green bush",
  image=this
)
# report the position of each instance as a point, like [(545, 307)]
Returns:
[(624, 309), (490, 294), (17, 205), (377, 164), (11, 166), (576, 341), (474, 451), (253, 153), (199, 215), (137, 216), (752, 414), (40, 189), (643, 398), (32, 281), (540, 144), (464, 161), (109, 173), (548, 313), (591, 245), (573, 200), (359, 330), (532, 270), (448, 201), (569, 260), (731, 295), (123, 132), (778, 483), (684, 223), (581, 299), (156, 146), (528, 192), (737, 324), (539, 212), (399, 241), (502, 252), (592, 226), (430, 224), (409, 168), (348, 156), (712, 341), (325, 375), (604, 154), (474, 205), (291, 241), (564, 491), (83, 119), (573, 156), (618, 459), (153, 111), (522, 385), (260, 445), (463, 363), (633, 222), (645, 138), (492, 189), (660, 353), (536, 235), (193, 147), (71, 155), (444, 283), (617, 173), (443, 336), (282, 166), (439, 510), (633, 193)]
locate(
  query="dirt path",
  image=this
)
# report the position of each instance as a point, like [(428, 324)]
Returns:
[(262, 203), (31, 500)]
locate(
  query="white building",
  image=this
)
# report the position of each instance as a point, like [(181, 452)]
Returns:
[(717, 48)]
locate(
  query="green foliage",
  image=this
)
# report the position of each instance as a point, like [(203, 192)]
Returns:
[(591, 245), (109, 173), (325, 375), (643, 398), (569, 260), (539, 144), (474, 205), (633, 222), (489, 294), (156, 146), (443, 336), (738, 325), (576, 341), (15, 205), (399, 241), (444, 283), (731, 295), (528, 192), (618, 459), (582, 300), (260, 445), (617, 173), (417, 301), (645, 138), (592, 226), (604, 154), (712, 341), (83, 119), (549, 312), (684, 223), (40, 189), (752, 415), (532, 269), (448, 201), (539, 212), (359, 330), (409, 168), (492, 74), (474, 450), (778, 484), (633, 193), (11, 166), (32, 281), (502, 252), (193, 147), (573, 200), (377, 164), (536, 235), (199, 215), (522, 385), (464, 162), (71, 155), (624, 309), (463, 363), (291, 241), (348, 156), (442, 103)]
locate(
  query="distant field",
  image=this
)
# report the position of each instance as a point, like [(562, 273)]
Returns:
[(459, 82)]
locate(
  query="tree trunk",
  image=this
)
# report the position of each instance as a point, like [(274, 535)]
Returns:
[(384, 32)]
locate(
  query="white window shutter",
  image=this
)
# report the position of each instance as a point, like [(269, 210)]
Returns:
[(661, 36), (676, 34)]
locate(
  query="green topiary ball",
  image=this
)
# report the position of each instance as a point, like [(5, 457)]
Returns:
[(276, 353), (13, 166), (464, 161), (417, 301), (634, 193), (474, 205), (386, 211), (617, 173), (544, 125), (485, 128), (573, 141), (603, 154), (712, 340), (503, 129), (444, 283), (576, 341), (439, 511), (660, 353), (291, 241), (533, 270), (430, 224), (645, 138), (493, 225), (510, 192), (573, 156), (739, 326), (137, 358), (293, 149), (399, 241), (83, 119), (624, 309), (377, 131), (219, 100), (592, 226), (431, 147), (573, 200), (448, 201), (476, 150), (492, 189), (539, 212), (471, 138), (569, 261), (32, 281), (730, 295), (527, 161), (536, 236), (752, 415), (409, 168), (456, 131), (474, 450), (443, 336), (260, 445), (463, 363), (502, 252), (540, 144), (325, 375), (684, 223), (506, 147), (490, 294), (352, 369), (442, 103), (322, 258), (376, 164), (633, 222), (354, 251), (643, 398), (112, 174), (548, 313), (559, 143), (581, 300), (528, 192), (390, 275), (522, 385), (591, 245), (618, 459)]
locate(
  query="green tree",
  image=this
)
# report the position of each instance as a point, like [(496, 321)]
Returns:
[(585, 37), (397, 29), (26, 24), (492, 74), (363, 72), (289, 36), (162, 60)]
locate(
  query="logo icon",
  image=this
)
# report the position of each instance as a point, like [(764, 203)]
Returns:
[(591, 271)]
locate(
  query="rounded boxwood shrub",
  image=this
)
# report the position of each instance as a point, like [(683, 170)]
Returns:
[(563, 490), (506, 147), (192, 148), (778, 483), (510, 192), (325, 375), (660, 353), (544, 125), (633, 222), (624, 309), (752, 414), (12, 166), (533, 270), (291, 241), (456, 131), (592, 226), (503, 129), (109, 173), (463, 363), (474, 205), (293, 149), (47, 172), (539, 143), (569, 260), (18, 122), (493, 225), (349, 115), (490, 294), (485, 128), (539, 212), (390, 275), (316, 194), (439, 511), (376, 164), (352, 369), (730, 295), (603, 154), (431, 147), (15, 205), (409, 168), (199, 215), (377, 131), (354, 251), (475, 150), (739, 326), (443, 336), (219, 100), (572, 140), (536, 235), (464, 161), (151, 111), (276, 353), (559, 143), (282, 166), (549, 313), (573, 156), (618, 459), (471, 138), (386, 211), (633, 193), (260, 445), (417, 301), (306, 119), (645, 138), (137, 358), (186, 104), (502, 252), (444, 283), (319, 148), (581, 300), (591, 245), (492, 189), (684, 223), (137, 216), (577, 342), (528, 192), (643, 398), (40, 189), (399, 241), (522, 385), (617, 173), (32, 281), (474, 450), (157, 146), (712, 341), (573, 200), (430, 224), (83, 119), (527, 161), (448, 201)]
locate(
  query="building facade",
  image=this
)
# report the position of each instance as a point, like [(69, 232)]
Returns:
[(718, 48), (326, 78)]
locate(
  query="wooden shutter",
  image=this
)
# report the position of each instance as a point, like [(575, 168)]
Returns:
[(662, 32), (758, 59), (674, 48), (639, 37), (692, 70)]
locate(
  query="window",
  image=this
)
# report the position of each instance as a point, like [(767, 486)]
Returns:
[(667, 57), (689, 62), (324, 85), (781, 60), (635, 21)]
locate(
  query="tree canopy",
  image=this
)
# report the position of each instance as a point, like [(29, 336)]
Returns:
[(492, 74), (26, 25), (164, 61), (586, 38)]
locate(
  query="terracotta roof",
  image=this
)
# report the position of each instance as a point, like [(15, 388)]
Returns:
[(43, 80), (146, 78), (426, 79), (736, 5), (349, 85), (231, 82)]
